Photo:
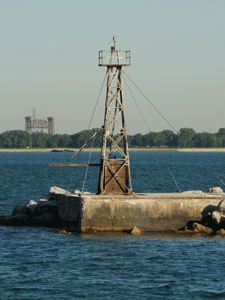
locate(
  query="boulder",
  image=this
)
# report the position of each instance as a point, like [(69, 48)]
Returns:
[(221, 232), (46, 214), (77, 192), (208, 210), (31, 206), (218, 215), (135, 230), (214, 216), (24, 209), (57, 193), (45, 207), (189, 226), (31, 203), (63, 231), (221, 207), (215, 190), (197, 227), (20, 210)]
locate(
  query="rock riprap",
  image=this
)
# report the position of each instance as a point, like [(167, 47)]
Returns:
[(42, 213), (213, 217), (137, 213)]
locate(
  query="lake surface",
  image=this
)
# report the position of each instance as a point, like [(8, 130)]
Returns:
[(38, 263)]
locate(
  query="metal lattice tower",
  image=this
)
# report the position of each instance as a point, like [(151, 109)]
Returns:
[(115, 176)]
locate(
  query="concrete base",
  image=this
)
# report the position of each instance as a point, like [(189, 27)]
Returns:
[(148, 212)]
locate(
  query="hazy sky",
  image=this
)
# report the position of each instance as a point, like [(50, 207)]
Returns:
[(49, 61)]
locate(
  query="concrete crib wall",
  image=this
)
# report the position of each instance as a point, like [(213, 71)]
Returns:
[(149, 212)]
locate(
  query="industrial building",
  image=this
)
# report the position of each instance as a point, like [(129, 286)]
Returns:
[(40, 124)]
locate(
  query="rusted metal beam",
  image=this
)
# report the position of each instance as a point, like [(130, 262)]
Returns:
[(73, 165), (91, 138)]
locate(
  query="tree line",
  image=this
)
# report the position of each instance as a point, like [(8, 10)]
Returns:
[(185, 138)]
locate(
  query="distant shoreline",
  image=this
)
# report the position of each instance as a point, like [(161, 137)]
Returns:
[(130, 150)]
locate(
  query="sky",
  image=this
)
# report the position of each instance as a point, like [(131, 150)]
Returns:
[(49, 62)]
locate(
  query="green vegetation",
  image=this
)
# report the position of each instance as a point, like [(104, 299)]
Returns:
[(186, 138)]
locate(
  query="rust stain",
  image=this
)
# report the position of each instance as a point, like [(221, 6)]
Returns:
[(103, 229)]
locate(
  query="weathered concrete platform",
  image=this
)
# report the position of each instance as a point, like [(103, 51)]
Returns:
[(149, 212)]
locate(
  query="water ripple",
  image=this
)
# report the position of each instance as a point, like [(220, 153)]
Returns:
[(37, 263)]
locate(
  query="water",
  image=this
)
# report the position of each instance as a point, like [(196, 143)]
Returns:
[(38, 263)]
